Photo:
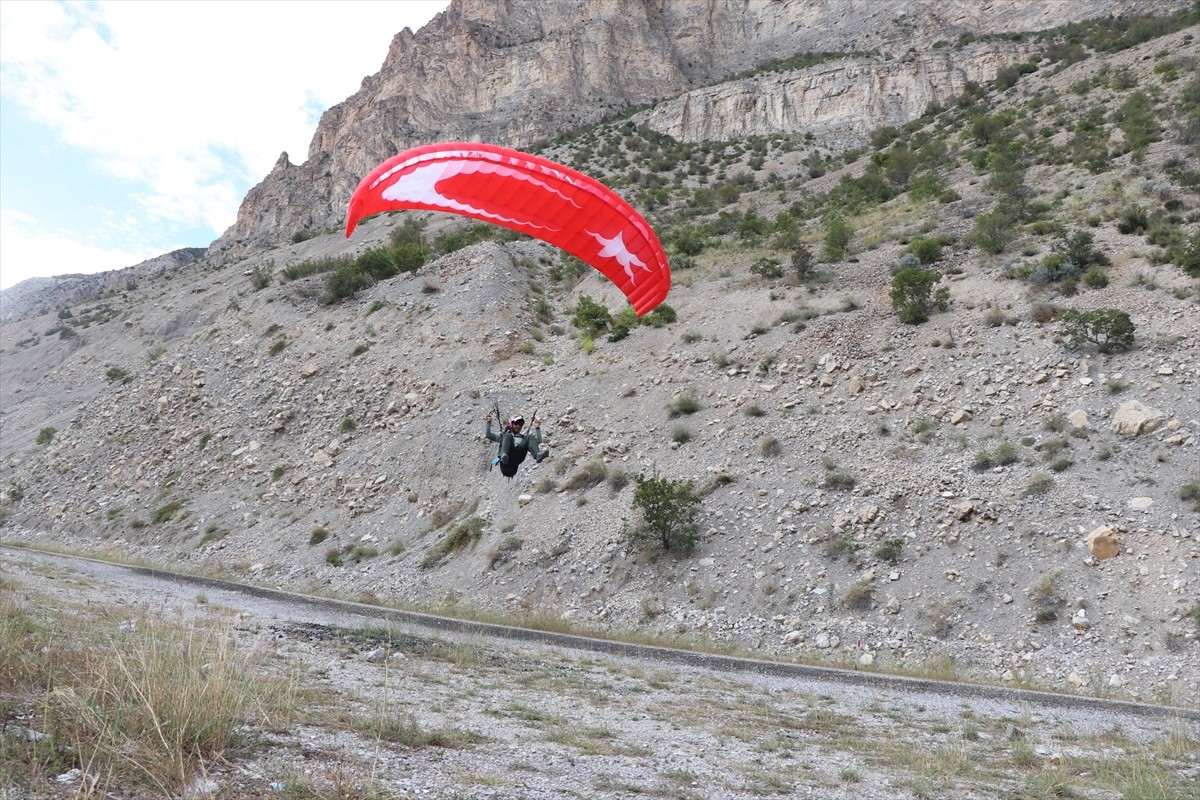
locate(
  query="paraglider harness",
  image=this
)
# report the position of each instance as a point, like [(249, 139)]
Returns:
[(517, 449)]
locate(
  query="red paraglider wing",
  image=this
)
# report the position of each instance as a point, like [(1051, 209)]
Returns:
[(528, 194)]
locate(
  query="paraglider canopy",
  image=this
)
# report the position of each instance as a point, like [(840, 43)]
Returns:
[(529, 194)]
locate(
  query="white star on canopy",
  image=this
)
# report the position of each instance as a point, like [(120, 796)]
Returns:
[(615, 248)]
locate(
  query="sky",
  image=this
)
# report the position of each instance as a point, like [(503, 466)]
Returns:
[(131, 128)]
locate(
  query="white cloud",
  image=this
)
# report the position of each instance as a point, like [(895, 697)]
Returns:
[(31, 254), (192, 101)]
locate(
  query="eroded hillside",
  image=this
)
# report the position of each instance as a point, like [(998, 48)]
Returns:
[(907, 496)]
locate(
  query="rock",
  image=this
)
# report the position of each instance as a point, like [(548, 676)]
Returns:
[(1103, 542), (1139, 503), (866, 659), (1080, 620), (524, 499), (792, 637), (964, 510), (201, 788), (960, 416), (1135, 418), (1078, 420)]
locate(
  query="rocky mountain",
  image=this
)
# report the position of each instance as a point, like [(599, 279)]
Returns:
[(518, 73), (977, 494)]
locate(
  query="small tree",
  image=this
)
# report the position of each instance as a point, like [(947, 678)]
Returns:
[(802, 262), (913, 295), (668, 510), (838, 234), (1107, 328)]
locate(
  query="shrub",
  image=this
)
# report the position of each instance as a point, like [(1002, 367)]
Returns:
[(625, 322), (889, 550), (260, 276), (318, 535), (802, 262), (913, 295), (1078, 249), (345, 281), (1190, 493), (668, 509), (377, 263), (46, 435), (838, 234), (860, 594), (1044, 312), (1107, 328), (1095, 278), (840, 480), (681, 434), (662, 314), (590, 317), (768, 268), (1133, 220), (686, 403), (166, 512), (995, 231), (927, 250)]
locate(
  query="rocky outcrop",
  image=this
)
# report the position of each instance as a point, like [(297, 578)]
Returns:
[(842, 102), (514, 73), (1134, 418)]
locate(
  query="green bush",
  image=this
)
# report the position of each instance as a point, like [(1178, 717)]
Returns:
[(768, 268), (838, 234), (994, 232), (1095, 278), (626, 321), (668, 510), (803, 262), (928, 251), (46, 435), (662, 314), (590, 317), (377, 263), (686, 403), (1107, 328), (345, 282), (1078, 248), (913, 295)]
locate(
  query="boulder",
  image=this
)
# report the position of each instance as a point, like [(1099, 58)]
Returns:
[(1135, 418), (1103, 542)]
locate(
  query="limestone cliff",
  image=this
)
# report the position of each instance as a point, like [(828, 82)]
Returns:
[(514, 72)]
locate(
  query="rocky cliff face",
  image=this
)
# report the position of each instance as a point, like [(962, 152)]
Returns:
[(841, 103), (513, 73)]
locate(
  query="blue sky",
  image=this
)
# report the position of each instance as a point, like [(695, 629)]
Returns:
[(131, 128)]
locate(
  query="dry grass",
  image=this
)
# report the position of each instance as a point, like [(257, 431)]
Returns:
[(135, 703)]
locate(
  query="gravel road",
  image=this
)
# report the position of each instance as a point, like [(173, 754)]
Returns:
[(548, 716)]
